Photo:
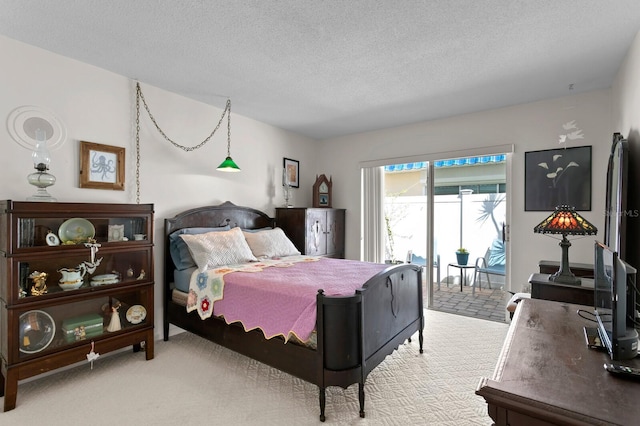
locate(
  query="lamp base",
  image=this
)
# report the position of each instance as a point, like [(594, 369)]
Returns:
[(565, 278), (41, 180), (42, 195), (564, 274)]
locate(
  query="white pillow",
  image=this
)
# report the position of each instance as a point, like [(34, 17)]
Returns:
[(271, 243), (218, 248)]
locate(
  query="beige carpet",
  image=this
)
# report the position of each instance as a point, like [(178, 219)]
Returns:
[(195, 382)]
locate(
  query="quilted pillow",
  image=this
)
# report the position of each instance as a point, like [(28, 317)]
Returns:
[(178, 248), (218, 248), (270, 243)]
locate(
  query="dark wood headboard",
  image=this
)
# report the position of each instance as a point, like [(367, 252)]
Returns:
[(226, 213), (220, 215)]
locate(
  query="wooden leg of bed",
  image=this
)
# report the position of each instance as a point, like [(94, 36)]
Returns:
[(361, 398), (165, 330), (323, 403)]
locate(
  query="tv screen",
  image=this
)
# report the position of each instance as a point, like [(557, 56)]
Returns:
[(614, 298), (616, 197)]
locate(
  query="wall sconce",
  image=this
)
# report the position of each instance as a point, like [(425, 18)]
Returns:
[(41, 160), (565, 221)]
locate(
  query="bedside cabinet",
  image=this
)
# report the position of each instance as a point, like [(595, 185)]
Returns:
[(314, 231), (578, 269), (542, 288)]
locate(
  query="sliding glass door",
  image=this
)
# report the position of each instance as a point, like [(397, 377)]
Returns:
[(434, 208)]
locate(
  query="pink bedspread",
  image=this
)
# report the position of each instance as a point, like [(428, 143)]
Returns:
[(281, 301)]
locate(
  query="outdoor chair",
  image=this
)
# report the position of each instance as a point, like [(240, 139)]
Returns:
[(419, 260), (493, 263)]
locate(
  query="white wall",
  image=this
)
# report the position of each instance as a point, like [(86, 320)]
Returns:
[(529, 127), (99, 106), (626, 119), (626, 94)]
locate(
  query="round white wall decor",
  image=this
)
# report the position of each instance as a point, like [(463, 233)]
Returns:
[(23, 122)]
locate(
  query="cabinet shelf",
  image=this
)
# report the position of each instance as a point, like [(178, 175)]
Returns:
[(61, 298)]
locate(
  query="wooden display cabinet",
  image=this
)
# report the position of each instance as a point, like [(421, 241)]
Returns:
[(314, 231), (107, 274)]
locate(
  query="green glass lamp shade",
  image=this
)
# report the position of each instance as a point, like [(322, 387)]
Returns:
[(228, 165)]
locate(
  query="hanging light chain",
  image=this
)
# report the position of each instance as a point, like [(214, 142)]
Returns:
[(228, 128), (138, 147), (140, 96), (227, 109)]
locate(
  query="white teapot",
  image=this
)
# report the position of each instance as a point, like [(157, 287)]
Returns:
[(72, 278), (73, 275)]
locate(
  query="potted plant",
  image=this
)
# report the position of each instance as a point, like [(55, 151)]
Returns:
[(462, 256)]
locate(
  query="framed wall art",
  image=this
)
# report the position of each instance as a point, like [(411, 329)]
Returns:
[(291, 173), (101, 166), (555, 177)]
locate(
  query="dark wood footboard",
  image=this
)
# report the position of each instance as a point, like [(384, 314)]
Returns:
[(355, 333)]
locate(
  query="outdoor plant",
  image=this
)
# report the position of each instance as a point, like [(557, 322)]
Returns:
[(462, 250)]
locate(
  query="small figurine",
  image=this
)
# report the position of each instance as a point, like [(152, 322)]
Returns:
[(80, 333), (142, 275), (114, 324), (39, 286)]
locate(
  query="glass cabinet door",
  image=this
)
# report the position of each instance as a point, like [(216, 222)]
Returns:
[(51, 328), (78, 271), (51, 231)]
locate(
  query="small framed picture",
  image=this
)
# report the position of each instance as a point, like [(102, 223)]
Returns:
[(291, 173), (101, 166), (52, 239), (323, 200), (116, 233)]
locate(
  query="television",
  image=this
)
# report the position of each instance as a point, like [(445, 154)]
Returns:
[(615, 217), (615, 303)]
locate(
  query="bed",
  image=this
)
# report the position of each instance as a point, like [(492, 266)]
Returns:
[(353, 333)]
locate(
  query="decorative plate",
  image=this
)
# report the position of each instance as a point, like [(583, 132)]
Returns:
[(136, 314), (37, 330), (76, 230), (104, 279)]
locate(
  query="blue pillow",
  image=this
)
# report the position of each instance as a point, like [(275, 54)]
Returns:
[(178, 248), (268, 228)]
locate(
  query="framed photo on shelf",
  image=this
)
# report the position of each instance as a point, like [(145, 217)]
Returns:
[(291, 173), (101, 166), (555, 177), (116, 233)]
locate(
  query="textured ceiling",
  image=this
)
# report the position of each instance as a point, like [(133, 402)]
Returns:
[(330, 68)]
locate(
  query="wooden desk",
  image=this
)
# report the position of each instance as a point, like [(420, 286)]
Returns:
[(542, 288), (546, 374)]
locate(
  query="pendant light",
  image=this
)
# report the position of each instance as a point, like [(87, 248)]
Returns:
[(228, 165)]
